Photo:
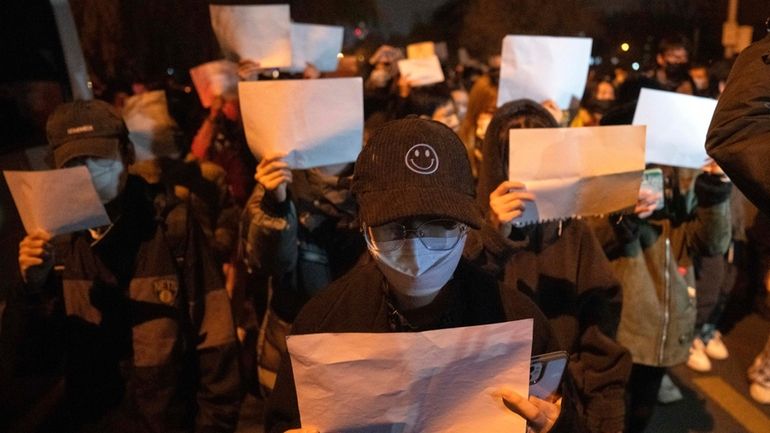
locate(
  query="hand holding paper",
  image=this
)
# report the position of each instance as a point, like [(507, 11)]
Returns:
[(274, 175), (507, 202), (541, 415), (35, 257)]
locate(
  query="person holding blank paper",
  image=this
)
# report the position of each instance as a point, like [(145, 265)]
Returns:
[(560, 265), (651, 254), (299, 230), (147, 316), (415, 193)]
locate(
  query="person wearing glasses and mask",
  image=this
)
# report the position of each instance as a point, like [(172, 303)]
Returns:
[(415, 192)]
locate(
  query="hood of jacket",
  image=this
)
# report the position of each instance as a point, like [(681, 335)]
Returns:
[(494, 165)]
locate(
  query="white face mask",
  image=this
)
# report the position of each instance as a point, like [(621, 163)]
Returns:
[(108, 177), (415, 271)]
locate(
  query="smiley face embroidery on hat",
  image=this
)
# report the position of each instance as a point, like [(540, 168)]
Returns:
[(421, 159)]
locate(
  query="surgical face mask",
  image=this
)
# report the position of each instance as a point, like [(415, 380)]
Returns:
[(108, 176), (415, 271)]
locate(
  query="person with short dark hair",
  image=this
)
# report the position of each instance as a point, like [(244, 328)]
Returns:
[(672, 62)]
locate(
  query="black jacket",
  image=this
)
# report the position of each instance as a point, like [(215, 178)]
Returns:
[(739, 135), (357, 303), (149, 335), (562, 267)]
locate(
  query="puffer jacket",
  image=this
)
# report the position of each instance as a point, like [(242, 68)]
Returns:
[(300, 246), (562, 267), (652, 259)]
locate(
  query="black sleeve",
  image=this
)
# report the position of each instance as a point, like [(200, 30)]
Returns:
[(739, 135)]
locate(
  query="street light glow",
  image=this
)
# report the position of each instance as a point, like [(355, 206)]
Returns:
[(625, 47)]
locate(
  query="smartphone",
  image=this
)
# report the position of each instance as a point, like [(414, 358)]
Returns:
[(653, 180), (545, 373)]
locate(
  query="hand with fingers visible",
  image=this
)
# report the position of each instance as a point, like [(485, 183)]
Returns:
[(507, 202), (712, 168), (541, 415), (35, 257), (274, 174), (248, 70), (647, 202)]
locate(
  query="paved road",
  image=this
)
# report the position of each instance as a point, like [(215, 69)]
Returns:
[(719, 401)]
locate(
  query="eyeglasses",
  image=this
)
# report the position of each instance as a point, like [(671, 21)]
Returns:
[(436, 235)]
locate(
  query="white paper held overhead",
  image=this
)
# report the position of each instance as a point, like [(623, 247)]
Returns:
[(151, 128), (214, 79), (258, 33), (314, 122), (544, 67), (421, 72), (57, 201), (420, 50), (677, 125), (434, 381), (577, 172), (315, 44)]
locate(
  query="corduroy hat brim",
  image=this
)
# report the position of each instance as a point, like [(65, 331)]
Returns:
[(384, 206), (96, 147)]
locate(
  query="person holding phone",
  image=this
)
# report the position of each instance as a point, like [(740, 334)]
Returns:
[(414, 188)]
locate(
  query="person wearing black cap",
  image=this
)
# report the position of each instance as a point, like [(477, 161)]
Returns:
[(150, 343), (415, 192)]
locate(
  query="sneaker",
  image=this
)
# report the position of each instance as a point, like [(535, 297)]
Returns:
[(760, 394), (716, 348), (668, 392), (698, 359)]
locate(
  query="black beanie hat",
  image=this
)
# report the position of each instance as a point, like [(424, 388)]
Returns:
[(414, 167)]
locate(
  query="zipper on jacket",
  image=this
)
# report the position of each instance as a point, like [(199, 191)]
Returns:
[(666, 301)]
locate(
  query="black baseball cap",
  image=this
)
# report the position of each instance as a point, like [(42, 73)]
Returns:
[(85, 128)]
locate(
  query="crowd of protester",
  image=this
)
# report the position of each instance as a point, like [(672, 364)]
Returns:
[(170, 315)]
